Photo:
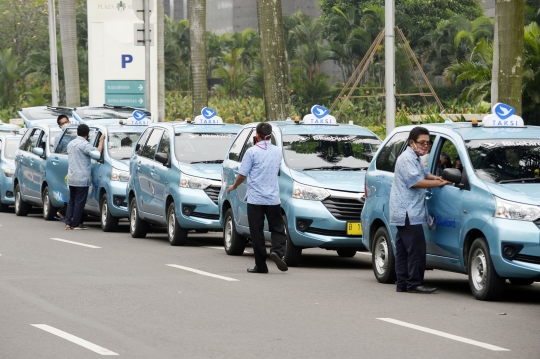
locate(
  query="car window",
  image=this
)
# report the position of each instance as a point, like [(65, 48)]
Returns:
[(236, 148), (447, 156), (149, 150), (386, 160), (69, 135), (142, 141), (120, 144), (11, 148), (165, 144), (53, 135), (25, 140), (250, 142), (33, 142)]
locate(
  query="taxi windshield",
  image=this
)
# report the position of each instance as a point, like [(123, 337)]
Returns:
[(120, 144), (11, 149), (202, 147), (505, 160), (329, 152)]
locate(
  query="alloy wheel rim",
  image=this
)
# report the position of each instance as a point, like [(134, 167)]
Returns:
[(46, 204), (228, 233), (381, 255), (104, 209), (171, 225), (479, 270), (133, 218), (17, 200)]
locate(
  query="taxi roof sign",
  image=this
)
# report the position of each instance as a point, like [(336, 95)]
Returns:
[(503, 115), (319, 115), (208, 116), (137, 118)]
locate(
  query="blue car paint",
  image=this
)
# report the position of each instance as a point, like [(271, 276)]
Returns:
[(103, 115), (6, 181), (463, 214), (154, 185), (344, 183), (44, 115)]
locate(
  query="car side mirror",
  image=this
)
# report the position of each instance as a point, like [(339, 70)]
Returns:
[(452, 175), (162, 158), (38, 151), (96, 155), (137, 147), (231, 156)]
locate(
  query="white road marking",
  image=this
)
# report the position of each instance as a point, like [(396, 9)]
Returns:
[(223, 249), (203, 273), (74, 339), (445, 335), (77, 243)]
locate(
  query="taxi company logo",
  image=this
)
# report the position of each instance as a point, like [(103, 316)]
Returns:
[(121, 6), (503, 111), (139, 115), (208, 113), (319, 111)]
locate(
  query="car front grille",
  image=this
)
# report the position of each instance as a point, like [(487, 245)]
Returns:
[(527, 259), (328, 232), (205, 215), (344, 209), (213, 193)]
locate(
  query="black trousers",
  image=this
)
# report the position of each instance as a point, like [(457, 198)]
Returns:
[(410, 255), (75, 208), (256, 214)]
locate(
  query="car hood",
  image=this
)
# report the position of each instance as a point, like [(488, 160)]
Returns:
[(204, 170), (350, 181), (528, 193), (122, 165)]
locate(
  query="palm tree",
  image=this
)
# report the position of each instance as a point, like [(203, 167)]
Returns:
[(273, 59), (199, 73), (177, 54), (68, 34), (9, 74), (531, 71)]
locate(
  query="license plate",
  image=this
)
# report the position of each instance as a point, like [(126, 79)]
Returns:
[(354, 228)]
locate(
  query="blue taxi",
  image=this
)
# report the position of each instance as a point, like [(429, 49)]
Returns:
[(9, 143), (110, 170), (321, 184), (4, 127), (89, 115), (34, 164), (487, 224), (175, 176), (44, 115)]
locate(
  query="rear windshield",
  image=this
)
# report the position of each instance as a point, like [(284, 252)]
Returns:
[(202, 147), (500, 160), (329, 152), (120, 144), (11, 148)]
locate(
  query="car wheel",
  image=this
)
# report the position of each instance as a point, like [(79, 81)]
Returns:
[(521, 281), (484, 281), (346, 253), (108, 222), (293, 253), (234, 243), (177, 234), (48, 210), (21, 208), (382, 257), (137, 227)]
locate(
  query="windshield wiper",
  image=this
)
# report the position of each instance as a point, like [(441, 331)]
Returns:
[(335, 168), (521, 180), (212, 161), (125, 158)]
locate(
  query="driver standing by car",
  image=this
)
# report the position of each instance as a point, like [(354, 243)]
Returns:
[(408, 212), (260, 166)]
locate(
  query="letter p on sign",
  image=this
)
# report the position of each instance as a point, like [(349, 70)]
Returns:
[(126, 59)]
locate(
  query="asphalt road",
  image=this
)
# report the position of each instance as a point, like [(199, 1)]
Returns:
[(64, 300)]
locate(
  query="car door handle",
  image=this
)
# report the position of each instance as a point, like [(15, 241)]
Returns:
[(55, 161)]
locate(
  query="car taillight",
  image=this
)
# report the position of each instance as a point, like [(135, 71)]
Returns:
[(365, 188)]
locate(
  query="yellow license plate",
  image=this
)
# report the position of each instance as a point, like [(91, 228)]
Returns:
[(354, 228)]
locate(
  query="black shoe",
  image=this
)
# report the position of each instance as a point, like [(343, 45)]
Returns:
[(256, 270), (280, 263), (401, 290), (422, 289)]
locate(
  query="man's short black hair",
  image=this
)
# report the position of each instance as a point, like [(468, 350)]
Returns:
[(83, 130), (417, 132), (60, 119), (264, 129)]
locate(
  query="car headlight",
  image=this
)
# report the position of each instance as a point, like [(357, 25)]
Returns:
[(8, 172), (119, 175), (517, 211), (302, 191), (188, 181)]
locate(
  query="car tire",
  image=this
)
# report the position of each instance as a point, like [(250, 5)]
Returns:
[(484, 281), (382, 257), (108, 222), (137, 227), (234, 243), (346, 252), (49, 211), (293, 253), (21, 207), (521, 281), (177, 235)]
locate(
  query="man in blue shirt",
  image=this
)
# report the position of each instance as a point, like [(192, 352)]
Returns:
[(408, 212), (79, 175), (260, 166), (63, 122)]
